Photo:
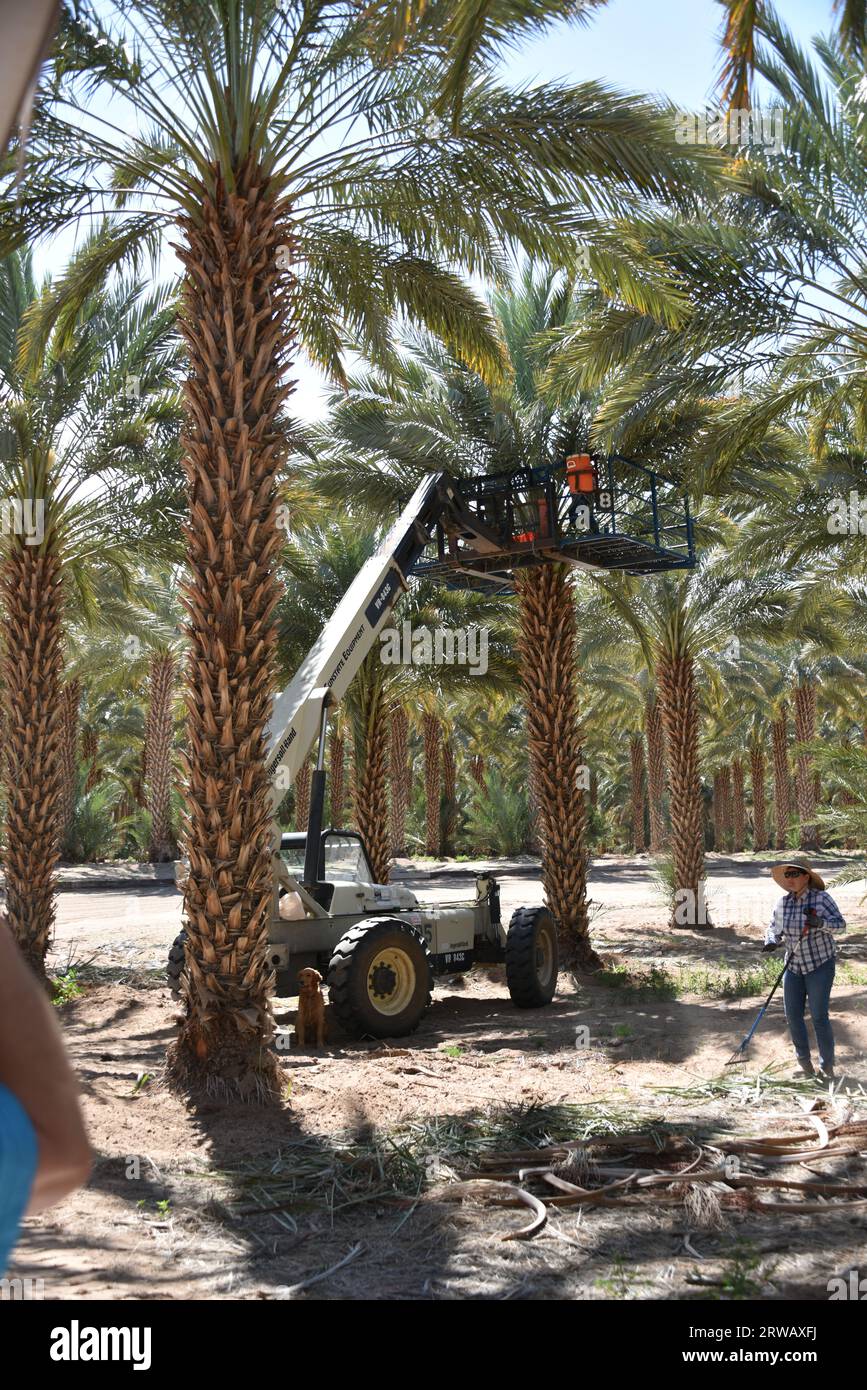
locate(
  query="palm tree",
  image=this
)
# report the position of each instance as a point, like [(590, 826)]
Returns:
[(399, 777), (433, 735), (70, 700), (302, 795), (757, 776), (804, 703), (655, 736), (636, 758), (547, 645), (384, 436), (159, 738), (300, 156), (337, 770), (450, 792), (739, 806), (370, 783), (773, 270), (134, 648), (683, 625), (747, 18), (66, 436), (782, 806)]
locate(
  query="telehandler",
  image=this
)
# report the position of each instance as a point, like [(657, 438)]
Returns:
[(377, 945)]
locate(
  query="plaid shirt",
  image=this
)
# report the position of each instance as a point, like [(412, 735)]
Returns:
[(788, 922)]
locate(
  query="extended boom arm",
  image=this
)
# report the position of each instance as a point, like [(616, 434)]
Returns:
[(351, 630)]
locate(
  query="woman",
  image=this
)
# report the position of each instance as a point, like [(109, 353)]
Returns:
[(806, 918)]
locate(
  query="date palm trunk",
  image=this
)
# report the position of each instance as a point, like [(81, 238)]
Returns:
[(805, 786), (547, 649), (717, 811), (780, 751), (432, 733), (302, 796), (90, 758), (739, 807), (370, 788), (235, 319), (70, 699), (31, 588), (450, 793), (725, 808), (400, 778), (679, 703), (636, 765), (760, 813), (477, 771), (158, 756), (655, 771), (337, 776)]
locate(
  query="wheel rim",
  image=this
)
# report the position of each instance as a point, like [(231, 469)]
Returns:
[(544, 955), (390, 981)]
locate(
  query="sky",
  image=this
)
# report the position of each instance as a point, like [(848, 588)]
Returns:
[(668, 47), (665, 47)]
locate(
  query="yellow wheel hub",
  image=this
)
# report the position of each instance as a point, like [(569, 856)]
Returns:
[(390, 981), (544, 956)]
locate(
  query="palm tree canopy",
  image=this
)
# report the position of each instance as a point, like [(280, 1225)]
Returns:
[(336, 109), (81, 425)]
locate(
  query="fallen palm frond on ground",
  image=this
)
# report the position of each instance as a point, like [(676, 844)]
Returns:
[(749, 1089), (341, 1172), (543, 1157), (643, 1169)]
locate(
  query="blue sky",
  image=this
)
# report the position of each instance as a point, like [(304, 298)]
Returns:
[(664, 46)]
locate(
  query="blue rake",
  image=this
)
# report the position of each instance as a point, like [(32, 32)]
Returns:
[(742, 1047)]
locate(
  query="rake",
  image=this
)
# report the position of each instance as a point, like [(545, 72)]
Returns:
[(742, 1047)]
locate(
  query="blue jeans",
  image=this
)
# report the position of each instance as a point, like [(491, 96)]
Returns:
[(815, 989)]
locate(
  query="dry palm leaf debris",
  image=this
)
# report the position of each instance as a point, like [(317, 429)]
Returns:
[(643, 1169), (541, 1156)]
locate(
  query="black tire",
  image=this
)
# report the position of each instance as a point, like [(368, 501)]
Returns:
[(532, 957), (405, 991), (175, 964)]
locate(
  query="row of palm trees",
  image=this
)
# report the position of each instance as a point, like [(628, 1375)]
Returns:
[(330, 178)]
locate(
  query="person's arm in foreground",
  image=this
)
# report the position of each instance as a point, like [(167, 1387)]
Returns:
[(35, 1069)]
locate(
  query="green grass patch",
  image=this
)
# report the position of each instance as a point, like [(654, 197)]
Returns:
[(65, 987), (713, 981), (638, 986)]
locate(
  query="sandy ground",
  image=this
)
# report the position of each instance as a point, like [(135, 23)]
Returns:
[(220, 1202)]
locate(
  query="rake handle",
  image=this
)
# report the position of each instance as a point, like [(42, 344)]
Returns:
[(742, 1047)]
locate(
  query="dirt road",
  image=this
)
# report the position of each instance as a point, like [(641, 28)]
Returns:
[(136, 925)]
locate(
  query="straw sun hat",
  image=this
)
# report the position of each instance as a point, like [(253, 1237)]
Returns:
[(797, 861)]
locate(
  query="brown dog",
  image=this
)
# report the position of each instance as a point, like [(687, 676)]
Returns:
[(311, 1008)]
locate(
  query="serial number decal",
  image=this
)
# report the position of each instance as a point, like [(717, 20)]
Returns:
[(381, 601)]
